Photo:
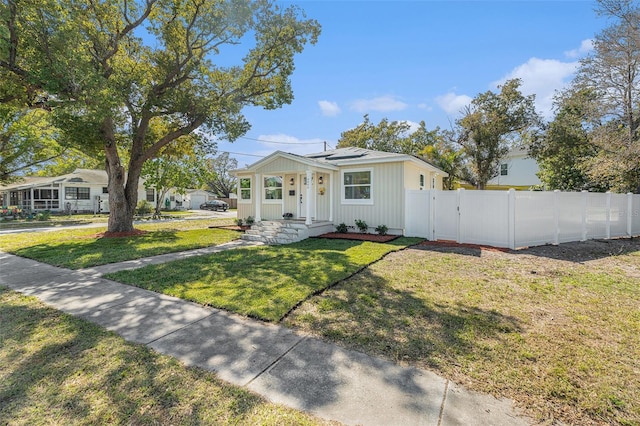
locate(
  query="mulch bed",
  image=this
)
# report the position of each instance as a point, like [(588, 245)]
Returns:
[(448, 243), (233, 227), (361, 237)]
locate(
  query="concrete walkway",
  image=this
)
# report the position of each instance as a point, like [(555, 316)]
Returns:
[(278, 363)]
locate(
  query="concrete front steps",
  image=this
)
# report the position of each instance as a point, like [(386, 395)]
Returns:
[(285, 231)]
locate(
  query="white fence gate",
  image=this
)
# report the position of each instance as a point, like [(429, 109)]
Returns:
[(519, 219)]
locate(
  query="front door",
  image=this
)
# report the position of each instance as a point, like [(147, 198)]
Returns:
[(302, 206)]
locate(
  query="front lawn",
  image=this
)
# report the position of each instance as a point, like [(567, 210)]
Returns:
[(262, 282), (557, 329), (82, 248), (59, 370)]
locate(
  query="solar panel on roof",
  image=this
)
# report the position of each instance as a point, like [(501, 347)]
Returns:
[(345, 157)]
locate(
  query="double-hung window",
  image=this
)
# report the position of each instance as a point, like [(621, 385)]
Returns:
[(273, 188), (357, 186), (245, 189), (504, 169)]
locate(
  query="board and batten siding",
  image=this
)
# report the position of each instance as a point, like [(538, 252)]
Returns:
[(323, 201), (412, 174), (280, 165), (387, 194)]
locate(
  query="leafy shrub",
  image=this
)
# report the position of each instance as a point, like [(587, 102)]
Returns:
[(362, 226), (382, 229), (342, 228), (239, 222), (143, 207), (43, 216), (249, 220)]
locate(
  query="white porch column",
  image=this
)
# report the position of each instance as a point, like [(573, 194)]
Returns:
[(307, 220), (32, 201), (258, 197)]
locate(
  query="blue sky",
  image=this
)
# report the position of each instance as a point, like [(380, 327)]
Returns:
[(417, 60)]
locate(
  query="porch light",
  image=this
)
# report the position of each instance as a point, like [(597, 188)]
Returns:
[(320, 180), (291, 182)]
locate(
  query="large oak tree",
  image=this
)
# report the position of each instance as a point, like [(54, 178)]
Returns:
[(111, 70)]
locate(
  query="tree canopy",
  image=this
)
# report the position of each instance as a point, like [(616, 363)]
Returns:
[(136, 76), (28, 140), (222, 182), (490, 127)]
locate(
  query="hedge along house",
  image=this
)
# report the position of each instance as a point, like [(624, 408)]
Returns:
[(292, 197), (83, 191)]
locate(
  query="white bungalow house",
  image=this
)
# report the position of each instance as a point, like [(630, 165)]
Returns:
[(83, 190), (292, 197)]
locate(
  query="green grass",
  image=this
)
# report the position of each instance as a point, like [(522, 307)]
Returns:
[(81, 248), (57, 369), (262, 282), (559, 336)]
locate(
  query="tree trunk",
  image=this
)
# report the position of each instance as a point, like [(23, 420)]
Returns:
[(122, 203)]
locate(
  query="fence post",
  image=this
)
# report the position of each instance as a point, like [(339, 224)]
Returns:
[(433, 193), (629, 213), (459, 196), (608, 216), (556, 218), (584, 215), (512, 218)]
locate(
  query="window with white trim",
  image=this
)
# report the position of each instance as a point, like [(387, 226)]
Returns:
[(151, 195), (76, 193), (504, 169), (245, 189), (273, 188), (421, 181), (356, 186)]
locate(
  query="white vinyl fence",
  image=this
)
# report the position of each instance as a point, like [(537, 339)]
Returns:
[(516, 219)]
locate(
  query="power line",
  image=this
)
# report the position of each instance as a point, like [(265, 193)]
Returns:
[(240, 153), (282, 143)]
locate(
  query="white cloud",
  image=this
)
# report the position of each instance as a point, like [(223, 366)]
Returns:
[(452, 103), (585, 47), (381, 104), (542, 77), (329, 109), (425, 107)]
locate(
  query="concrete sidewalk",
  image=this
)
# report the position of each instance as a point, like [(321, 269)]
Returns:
[(283, 366)]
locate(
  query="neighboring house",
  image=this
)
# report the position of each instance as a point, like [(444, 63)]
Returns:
[(518, 170), (195, 197), (333, 187), (81, 191)]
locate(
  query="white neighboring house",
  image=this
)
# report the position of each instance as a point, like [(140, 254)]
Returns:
[(83, 190), (517, 170)]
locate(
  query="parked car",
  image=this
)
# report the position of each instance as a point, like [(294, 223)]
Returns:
[(215, 205)]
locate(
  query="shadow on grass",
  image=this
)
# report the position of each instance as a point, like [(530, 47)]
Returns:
[(368, 313), (90, 251), (69, 371), (260, 282)]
